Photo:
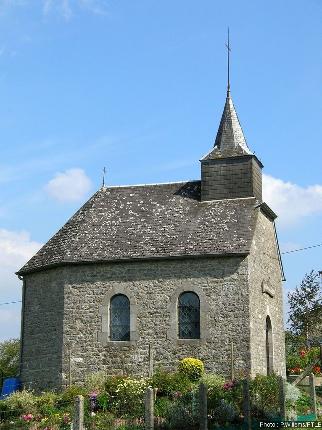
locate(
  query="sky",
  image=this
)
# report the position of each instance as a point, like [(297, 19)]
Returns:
[(139, 87)]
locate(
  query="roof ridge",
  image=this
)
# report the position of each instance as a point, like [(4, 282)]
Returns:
[(149, 185)]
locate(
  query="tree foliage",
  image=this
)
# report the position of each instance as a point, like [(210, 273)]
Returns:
[(305, 302), (9, 357)]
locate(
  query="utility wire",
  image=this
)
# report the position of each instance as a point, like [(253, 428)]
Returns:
[(301, 249), (10, 303)]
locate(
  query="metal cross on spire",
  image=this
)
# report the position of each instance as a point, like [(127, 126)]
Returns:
[(103, 181), (228, 63)]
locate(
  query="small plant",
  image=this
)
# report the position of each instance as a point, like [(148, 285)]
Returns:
[(193, 368)]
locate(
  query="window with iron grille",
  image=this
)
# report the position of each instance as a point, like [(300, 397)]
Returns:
[(189, 316), (120, 318)]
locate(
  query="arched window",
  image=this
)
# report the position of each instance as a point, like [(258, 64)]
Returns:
[(269, 346), (189, 316), (120, 317)]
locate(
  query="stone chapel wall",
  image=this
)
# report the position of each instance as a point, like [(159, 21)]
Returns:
[(266, 298), (153, 288), (42, 334)]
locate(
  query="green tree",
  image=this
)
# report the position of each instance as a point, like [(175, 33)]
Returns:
[(9, 358), (305, 302)]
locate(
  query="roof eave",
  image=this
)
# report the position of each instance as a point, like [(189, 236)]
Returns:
[(129, 260)]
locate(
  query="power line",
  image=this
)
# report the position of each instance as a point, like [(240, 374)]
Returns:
[(10, 303), (301, 249)]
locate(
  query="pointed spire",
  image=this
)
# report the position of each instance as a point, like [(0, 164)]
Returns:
[(230, 140), (230, 137)]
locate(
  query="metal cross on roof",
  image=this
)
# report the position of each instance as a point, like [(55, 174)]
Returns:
[(103, 181), (228, 63)]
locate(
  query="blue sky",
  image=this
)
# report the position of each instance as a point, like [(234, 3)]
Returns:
[(139, 87)]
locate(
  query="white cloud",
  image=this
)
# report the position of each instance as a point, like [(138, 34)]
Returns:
[(291, 202), (10, 317), (69, 186), (66, 7), (16, 248)]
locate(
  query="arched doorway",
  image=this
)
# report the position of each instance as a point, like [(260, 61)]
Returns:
[(269, 346)]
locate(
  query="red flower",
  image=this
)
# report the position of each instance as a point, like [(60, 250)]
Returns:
[(302, 353)]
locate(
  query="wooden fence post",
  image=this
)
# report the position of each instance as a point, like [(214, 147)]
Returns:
[(203, 408), (78, 422), (232, 362), (150, 361), (313, 393), (282, 395), (246, 404), (149, 409)]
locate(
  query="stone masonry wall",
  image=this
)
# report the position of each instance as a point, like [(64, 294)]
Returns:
[(154, 287), (266, 298), (43, 330)]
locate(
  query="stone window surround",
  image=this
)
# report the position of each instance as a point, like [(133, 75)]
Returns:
[(172, 332), (104, 311)]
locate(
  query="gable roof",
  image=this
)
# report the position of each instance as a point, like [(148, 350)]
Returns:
[(149, 221)]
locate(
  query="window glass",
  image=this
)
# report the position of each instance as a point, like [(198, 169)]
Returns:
[(120, 318), (189, 316)]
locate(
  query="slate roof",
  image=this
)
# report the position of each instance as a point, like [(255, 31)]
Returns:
[(230, 140), (149, 221)]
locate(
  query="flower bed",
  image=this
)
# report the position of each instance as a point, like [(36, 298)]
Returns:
[(117, 402)]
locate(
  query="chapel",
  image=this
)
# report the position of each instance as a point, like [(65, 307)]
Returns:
[(144, 275)]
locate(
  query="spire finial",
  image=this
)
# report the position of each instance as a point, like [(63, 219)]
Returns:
[(228, 64), (103, 181)]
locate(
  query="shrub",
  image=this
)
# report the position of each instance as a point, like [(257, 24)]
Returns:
[(179, 415), (111, 384), (225, 412), (68, 395), (129, 400), (169, 384), (265, 394), (103, 401), (162, 407), (297, 362), (100, 421), (22, 402), (303, 404), (293, 393), (95, 381), (233, 394), (47, 403), (193, 368)]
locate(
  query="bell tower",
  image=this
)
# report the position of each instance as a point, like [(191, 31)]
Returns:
[(230, 170)]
